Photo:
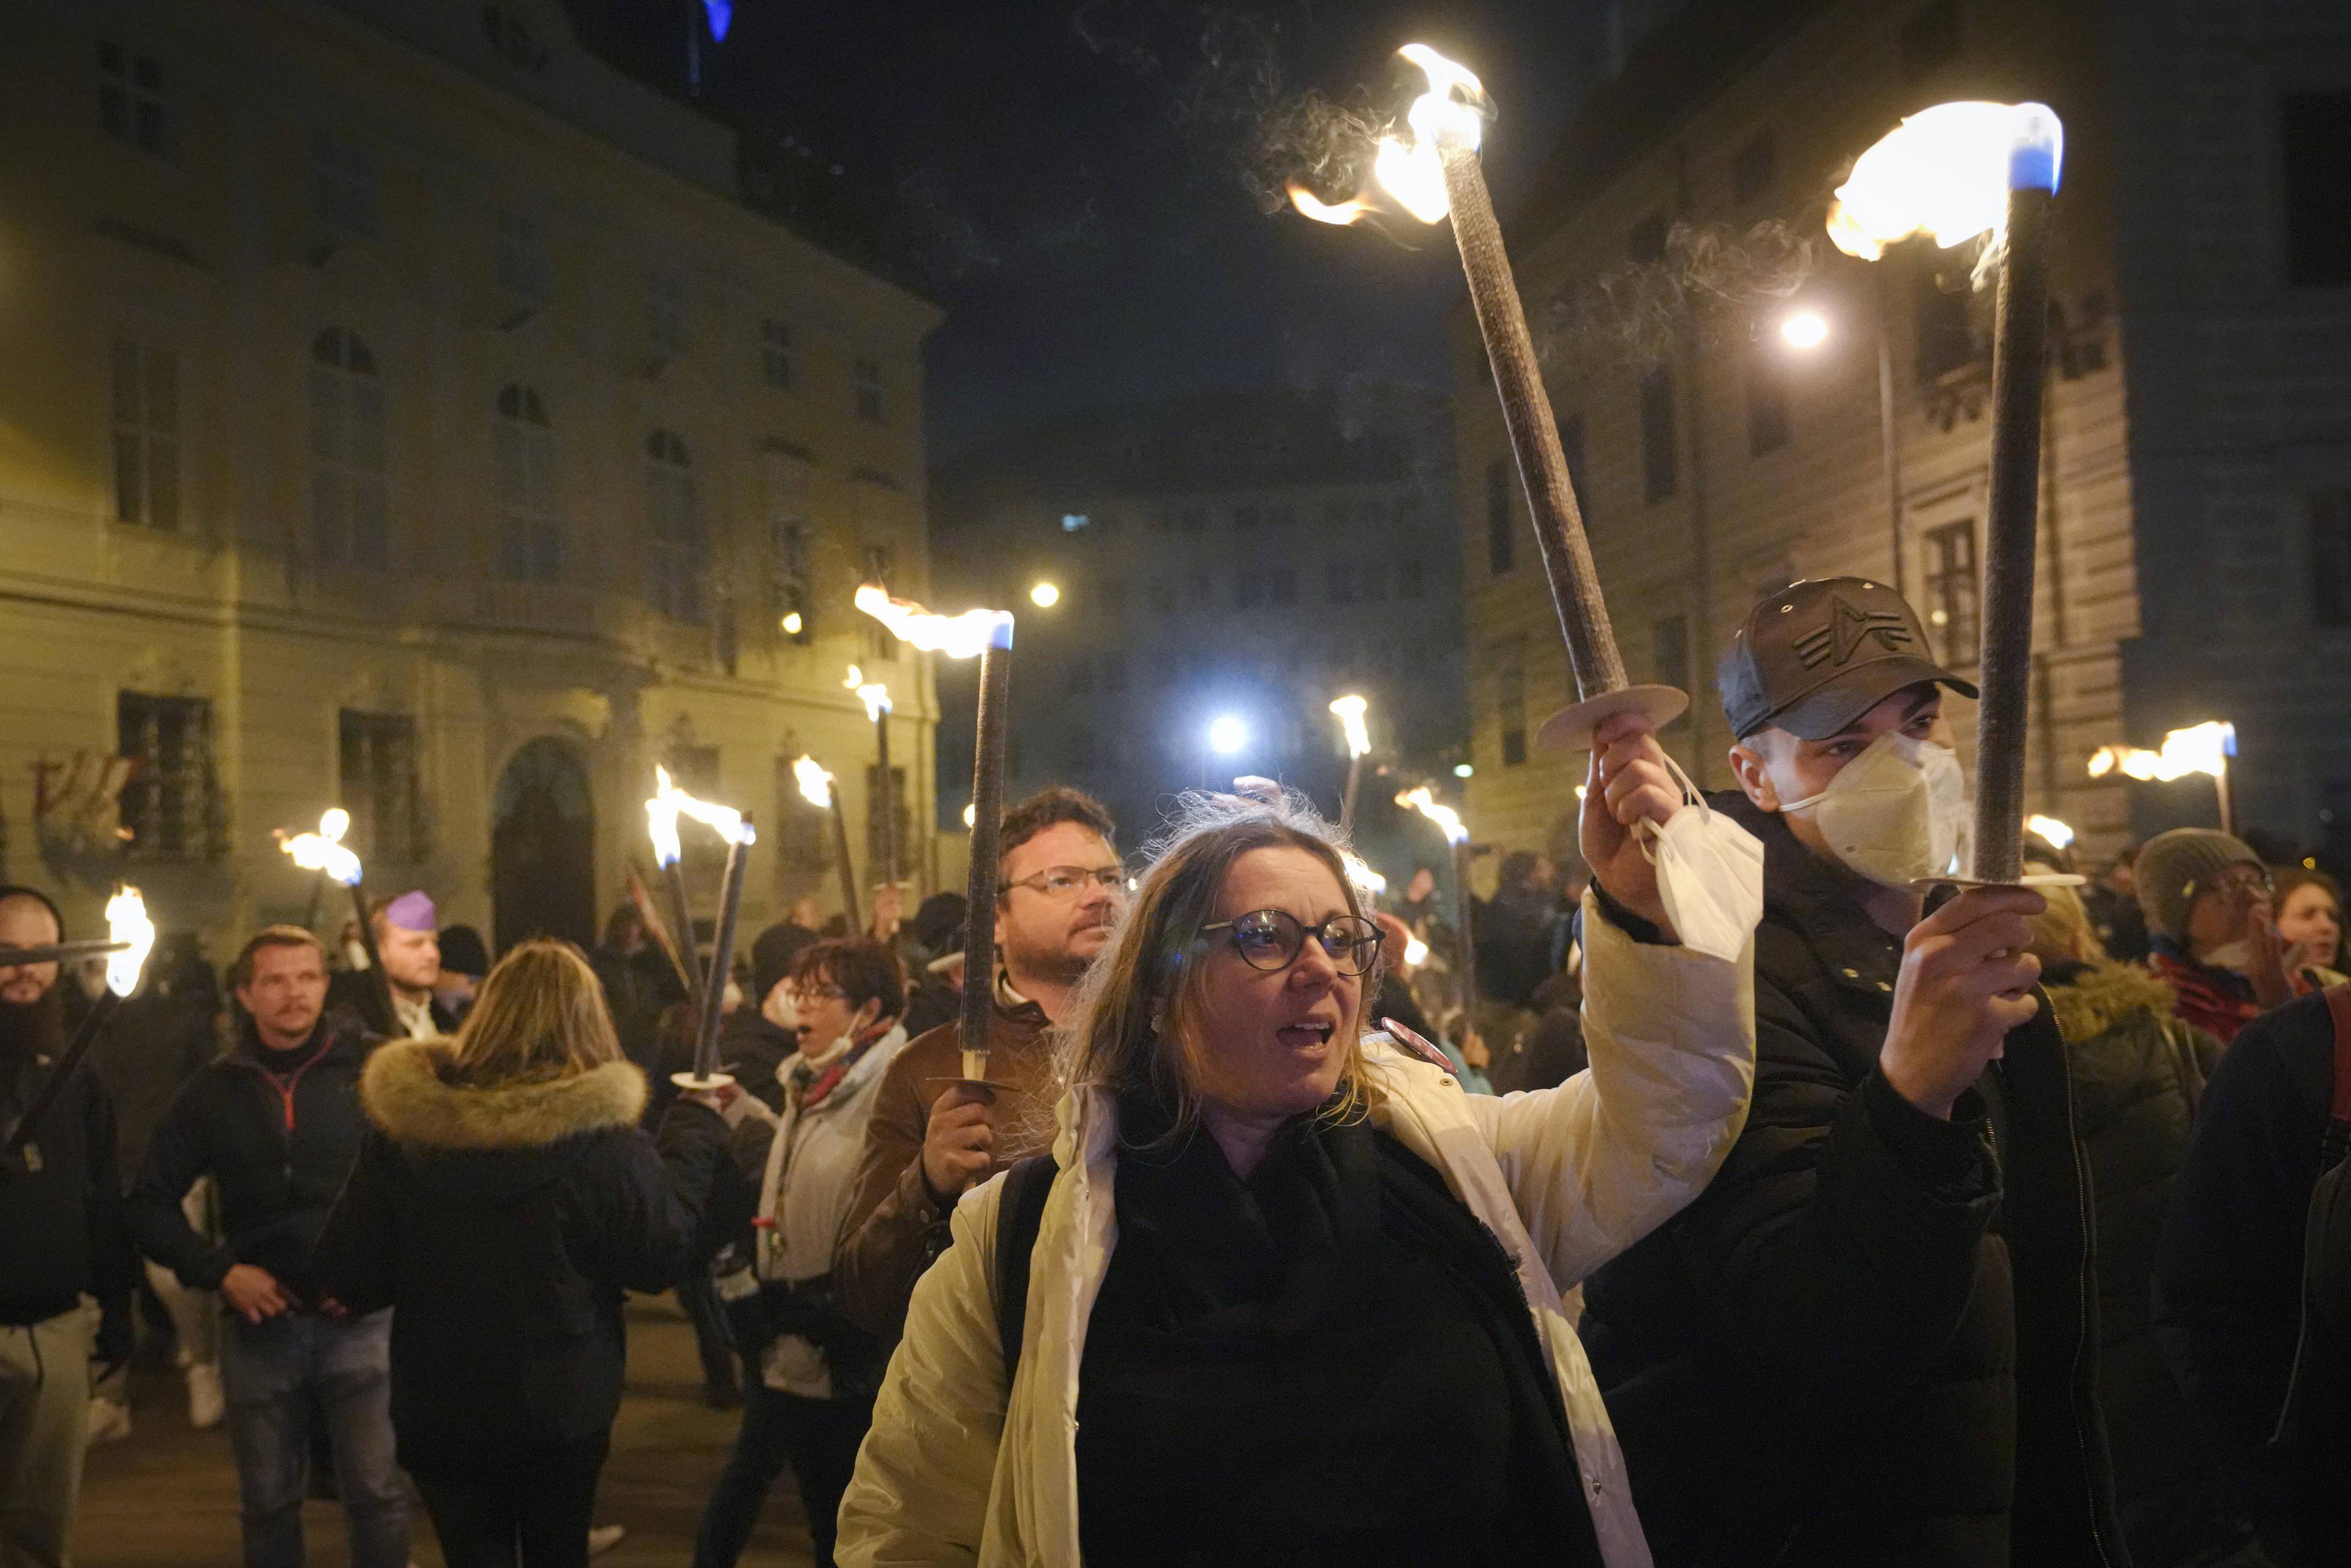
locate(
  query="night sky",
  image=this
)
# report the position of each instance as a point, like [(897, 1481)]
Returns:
[(1074, 182)]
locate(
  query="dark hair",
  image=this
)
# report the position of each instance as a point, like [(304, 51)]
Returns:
[(861, 967), (1517, 866), (463, 950), (281, 936), (1049, 808), (617, 925)]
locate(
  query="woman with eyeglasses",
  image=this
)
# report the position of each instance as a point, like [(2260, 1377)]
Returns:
[(1283, 1293), (813, 1396), (2210, 919)]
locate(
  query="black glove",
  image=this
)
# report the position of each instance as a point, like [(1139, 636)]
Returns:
[(118, 1336)]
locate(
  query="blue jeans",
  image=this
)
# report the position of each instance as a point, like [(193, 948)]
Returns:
[(276, 1374)]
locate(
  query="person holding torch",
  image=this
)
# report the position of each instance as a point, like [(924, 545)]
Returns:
[(1870, 1340), (61, 1238)]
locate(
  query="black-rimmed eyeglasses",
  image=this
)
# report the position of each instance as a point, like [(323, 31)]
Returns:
[(1272, 938)]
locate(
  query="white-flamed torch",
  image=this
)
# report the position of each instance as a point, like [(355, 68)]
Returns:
[(325, 853), (662, 812), (130, 935), (1956, 171), (1431, 168), (820, 790), (1351, 710), (985, 634), (884, 803), (1465, 944)]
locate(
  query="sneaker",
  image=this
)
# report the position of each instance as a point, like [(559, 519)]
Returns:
[(602, 1537), (206, 1403), (108, 1422)]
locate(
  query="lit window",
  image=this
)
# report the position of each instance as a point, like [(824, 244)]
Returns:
[(348, 513), (146, 435)]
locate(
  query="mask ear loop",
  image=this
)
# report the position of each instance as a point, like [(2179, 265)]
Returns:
[(1645, 831)]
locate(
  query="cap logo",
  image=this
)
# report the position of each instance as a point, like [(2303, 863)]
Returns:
[(1846, 629)]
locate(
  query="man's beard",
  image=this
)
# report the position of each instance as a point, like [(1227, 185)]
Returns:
[(1057, 964), (33, 1029)]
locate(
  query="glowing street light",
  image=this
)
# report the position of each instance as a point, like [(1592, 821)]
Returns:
[(1045, 595), (1805, 329), (1464, 771), (1226, 735)]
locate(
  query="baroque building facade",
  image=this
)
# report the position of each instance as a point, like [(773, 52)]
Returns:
[(403, 409), (2196, 524)]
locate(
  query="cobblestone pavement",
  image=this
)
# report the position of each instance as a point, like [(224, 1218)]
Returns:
[(165, 1496)]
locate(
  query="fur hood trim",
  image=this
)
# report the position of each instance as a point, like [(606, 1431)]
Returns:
[(2107, 995), (405, 1093)]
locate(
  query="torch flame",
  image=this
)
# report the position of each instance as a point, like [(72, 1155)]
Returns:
[(126, 921), (1367, 882), (816, 784), (2200, 749), (324, 849), (957, 636), (873, 694), (1444, 817), (1415, 951), (2057, 833), (1351, 710), (1407, 167), (1945, 171), (670, 802)]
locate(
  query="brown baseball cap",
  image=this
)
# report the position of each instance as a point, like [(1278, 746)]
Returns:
[(1819, 654)]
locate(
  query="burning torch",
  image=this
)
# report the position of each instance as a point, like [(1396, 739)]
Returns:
[(661, 817), (2200, 749), (1956, 171), (1350, 709), (987, 634), (130, 936), (816, 789), (1465, 946), (325, 853), (662, 812), (1434, 172), (876, 698)]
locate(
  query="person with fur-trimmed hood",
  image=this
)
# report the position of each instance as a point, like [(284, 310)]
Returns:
[(503, 1201)]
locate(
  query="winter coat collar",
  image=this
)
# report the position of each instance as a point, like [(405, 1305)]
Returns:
[(2089, 1000), (406, 1093), (336, 1034)]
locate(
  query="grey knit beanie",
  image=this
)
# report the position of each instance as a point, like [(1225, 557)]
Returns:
[(2173, 867)]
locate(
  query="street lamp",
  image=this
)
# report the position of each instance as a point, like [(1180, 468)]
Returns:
[(1226, 735), (1045, 595)]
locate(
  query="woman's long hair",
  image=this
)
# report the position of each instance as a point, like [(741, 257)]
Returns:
[(540, 1014), (1134, 1020)]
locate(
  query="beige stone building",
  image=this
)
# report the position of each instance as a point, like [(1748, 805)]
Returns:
[(400, 408), (2196, 533)]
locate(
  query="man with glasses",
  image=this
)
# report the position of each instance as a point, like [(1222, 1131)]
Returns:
[(2213, 930), (1061, 886)]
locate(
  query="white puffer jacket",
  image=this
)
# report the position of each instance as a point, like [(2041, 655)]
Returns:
[(953, 1472)]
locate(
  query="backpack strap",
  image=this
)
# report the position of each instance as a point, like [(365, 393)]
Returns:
[(2337, 1143), (1020, 1215)]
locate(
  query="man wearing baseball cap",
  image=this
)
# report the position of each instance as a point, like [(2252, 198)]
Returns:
[(1866, 1340)]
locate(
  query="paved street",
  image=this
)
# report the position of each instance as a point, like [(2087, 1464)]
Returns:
[(166, 1496)]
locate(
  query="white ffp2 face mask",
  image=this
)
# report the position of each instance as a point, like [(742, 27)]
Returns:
[(1710, 876), (1895, 814)]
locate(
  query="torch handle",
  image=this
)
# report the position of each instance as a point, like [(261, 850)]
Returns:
[(721, 959), (384, 1020), (847, 870), (681, 928), (986, 828), (53, 1088), (1464, 940), (1347, 800), (1534, 437), (2012, 518), (885, 803)]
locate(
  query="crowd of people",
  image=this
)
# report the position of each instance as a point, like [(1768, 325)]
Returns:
[(1898, 1225)]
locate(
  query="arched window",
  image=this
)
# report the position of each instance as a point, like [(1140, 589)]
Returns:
[(530, 539), (346, 489), (674, 553)]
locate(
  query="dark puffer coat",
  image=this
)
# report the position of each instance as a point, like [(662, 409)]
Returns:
[(1869, 1341), (2138, 1071), (504, 1223)]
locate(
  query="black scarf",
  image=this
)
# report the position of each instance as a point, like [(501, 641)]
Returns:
[(1331, 1362)]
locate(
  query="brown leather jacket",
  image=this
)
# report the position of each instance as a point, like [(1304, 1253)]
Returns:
[(895, 1224)]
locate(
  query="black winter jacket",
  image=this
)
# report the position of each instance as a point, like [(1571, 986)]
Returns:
[(504, 1223), (277, 1147), (2138, 1072), (1870, 1339), (2228, 1275), (61, 1229)]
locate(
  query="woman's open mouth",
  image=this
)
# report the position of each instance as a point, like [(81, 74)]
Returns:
[(1305, 1036)]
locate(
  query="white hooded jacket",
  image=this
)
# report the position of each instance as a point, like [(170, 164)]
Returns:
[(956, 1472)]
